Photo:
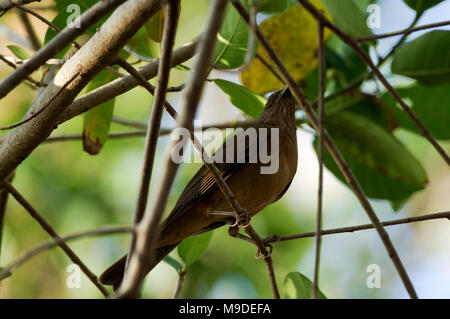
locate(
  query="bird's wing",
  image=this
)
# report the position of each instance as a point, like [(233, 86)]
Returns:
[(203, 182)]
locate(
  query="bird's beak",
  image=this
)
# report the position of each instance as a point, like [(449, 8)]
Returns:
[(285, 92)]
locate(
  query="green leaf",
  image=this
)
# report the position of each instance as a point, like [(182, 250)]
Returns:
[(193, 247), (347, 16), (421, 5), (429, 103), (18, 52), (425, 58), (382, 165), (97, 121), (244, 99), (297, 286), (366, 105), (232, 41), (174, 263), (154, 26)]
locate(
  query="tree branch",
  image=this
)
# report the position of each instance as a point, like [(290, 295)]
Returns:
[(351, 229), (404, 31)]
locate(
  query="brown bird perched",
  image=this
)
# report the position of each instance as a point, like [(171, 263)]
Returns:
[(202, 206)]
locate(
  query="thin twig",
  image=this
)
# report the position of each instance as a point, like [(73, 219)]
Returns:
[(77, 137), (49, 229), (42, 109), (322, 71), (334, 151), (351, 229), (366, 58), (408, 31), (58, 241)]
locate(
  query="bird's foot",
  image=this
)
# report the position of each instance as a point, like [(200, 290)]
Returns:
[(241, 220)]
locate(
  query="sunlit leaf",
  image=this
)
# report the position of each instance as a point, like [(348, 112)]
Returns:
[(18, 52), (244, 99), (193, 247), (298, 286), (425, 58), (293, 35)]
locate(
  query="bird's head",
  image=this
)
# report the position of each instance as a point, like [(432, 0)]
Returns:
[(279, 109)]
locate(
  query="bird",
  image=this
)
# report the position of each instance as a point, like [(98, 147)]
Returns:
[(202, 206)]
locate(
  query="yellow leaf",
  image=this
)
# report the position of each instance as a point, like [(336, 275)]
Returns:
[(293, 34)]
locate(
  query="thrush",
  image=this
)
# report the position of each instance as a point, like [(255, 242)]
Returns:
[(202, 206)]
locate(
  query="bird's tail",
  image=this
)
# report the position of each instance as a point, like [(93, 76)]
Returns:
[(114, 274)]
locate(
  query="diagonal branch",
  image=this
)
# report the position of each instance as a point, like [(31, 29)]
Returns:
[(366, 58), (334, 151), (65, 37), (49, 229)]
